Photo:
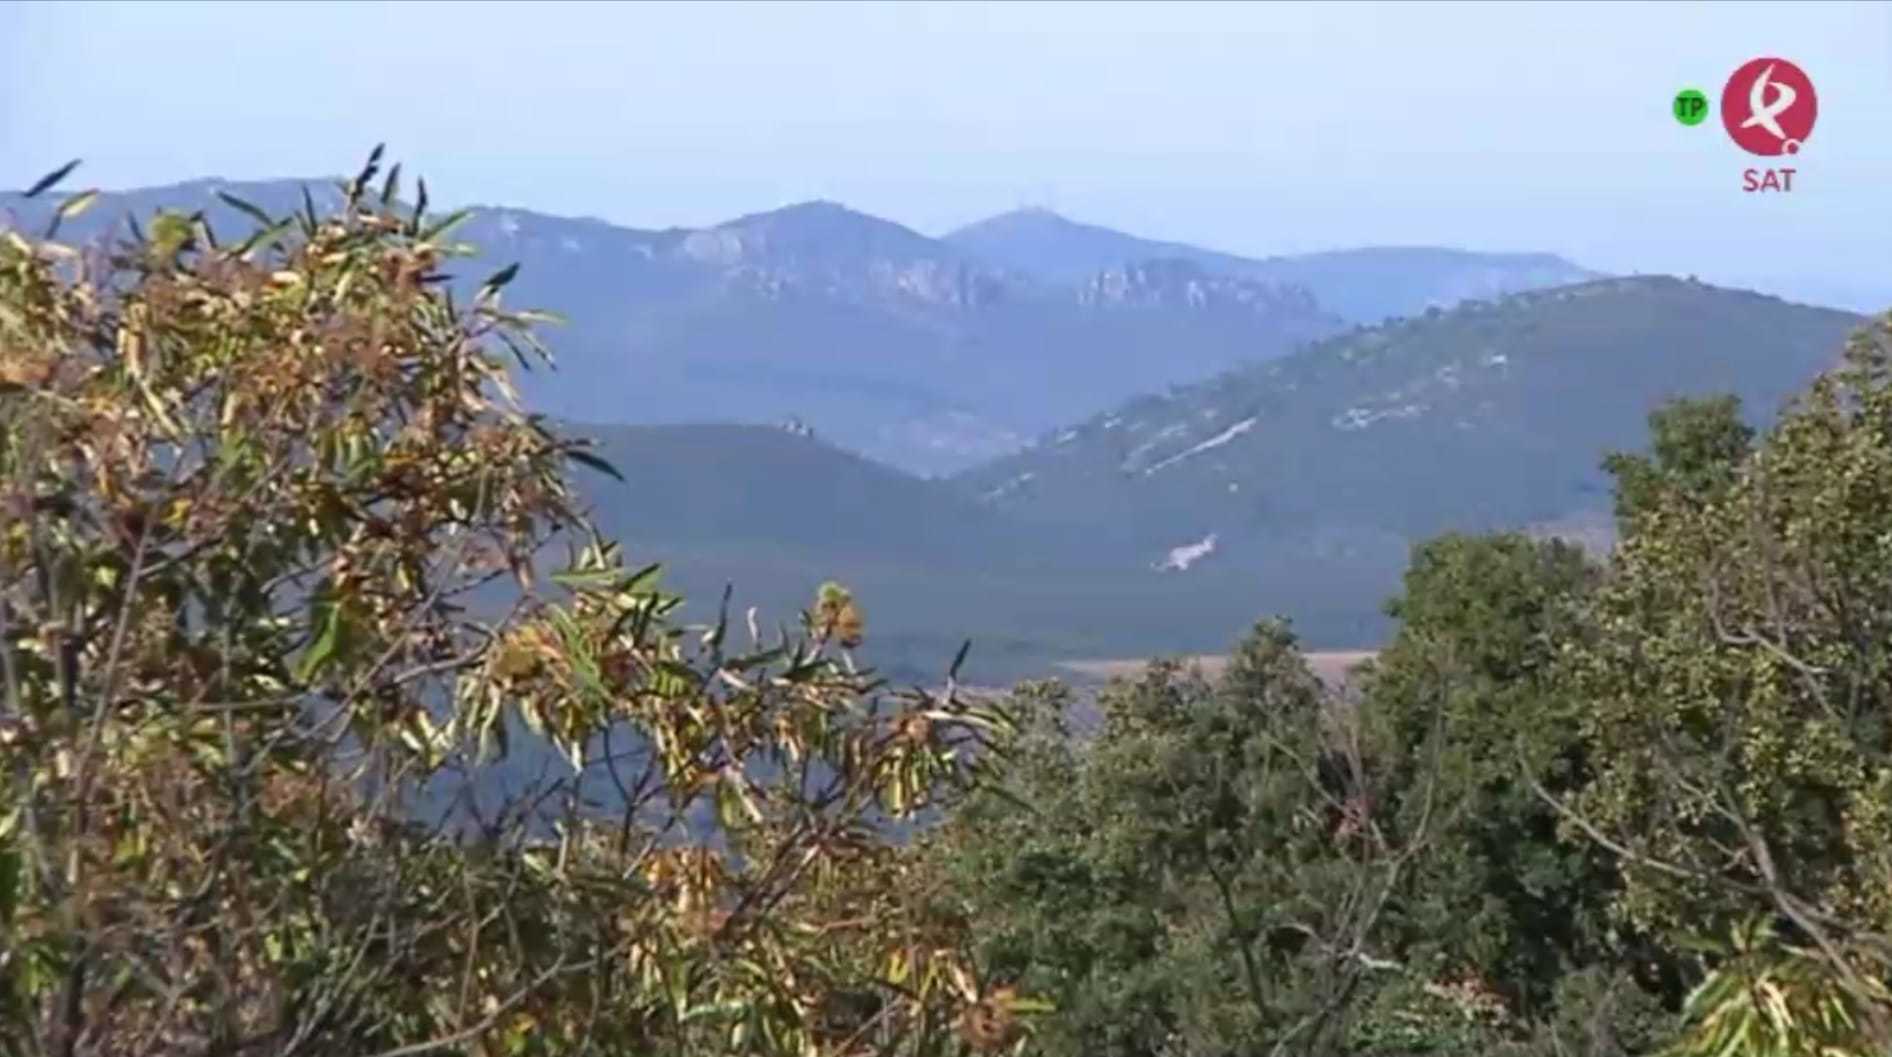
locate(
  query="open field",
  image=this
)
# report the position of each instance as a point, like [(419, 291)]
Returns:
[(1333, 666)]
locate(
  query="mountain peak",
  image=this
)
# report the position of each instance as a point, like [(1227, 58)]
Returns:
[(1024, 216), (814, 231), (813, 207), (1038, 222), (817, 216), (1038, 241)]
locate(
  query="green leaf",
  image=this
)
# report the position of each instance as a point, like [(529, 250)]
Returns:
[(47, 181), (677, 677), (70, 208), (9, 884), (643, 579), (247, 209), (959, 659), (269, 235), (445, 224), (392, 186), (420, 206), (327, 643), (517, 352), (718, 1009), (78, 203), (598, 579), (585, 458), (757, 659), (497, 281), (1033, 1005), (202, 227), (360, 182)]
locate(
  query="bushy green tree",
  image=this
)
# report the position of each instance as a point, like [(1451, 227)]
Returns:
[(1467, 687), (1735, 690), (1209, 874), (1696, 448)]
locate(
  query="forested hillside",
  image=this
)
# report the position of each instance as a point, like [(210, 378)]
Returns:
[(1492, 415)]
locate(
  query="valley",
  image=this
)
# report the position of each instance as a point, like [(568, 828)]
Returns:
[(1062, 441)]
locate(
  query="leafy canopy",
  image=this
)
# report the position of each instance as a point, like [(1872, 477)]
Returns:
[(279, 562)]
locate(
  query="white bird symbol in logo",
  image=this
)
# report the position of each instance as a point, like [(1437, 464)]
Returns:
[(1763, 113)]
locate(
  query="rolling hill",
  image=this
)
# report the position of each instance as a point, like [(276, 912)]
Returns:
[(1295, 486), (1334, 460), (770, 513)]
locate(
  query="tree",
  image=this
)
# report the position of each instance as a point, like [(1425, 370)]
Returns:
[(275, 562), (1207, 876), (1696, 448), (1470, 685), (1736, 694)]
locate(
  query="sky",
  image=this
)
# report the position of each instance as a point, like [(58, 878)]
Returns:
[(1258, 129)]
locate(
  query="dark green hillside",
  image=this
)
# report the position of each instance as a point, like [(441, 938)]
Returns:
[(1296, 486), (1491, 415), (772, 514), (773, 487)]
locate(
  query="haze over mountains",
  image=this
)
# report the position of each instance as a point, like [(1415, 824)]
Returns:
[(1366, 285), (1137, 446), (929, 354)]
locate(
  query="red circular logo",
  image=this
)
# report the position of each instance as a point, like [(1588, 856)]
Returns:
[(1768, 107)]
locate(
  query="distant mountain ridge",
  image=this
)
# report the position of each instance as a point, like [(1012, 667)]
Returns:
[(1043, 243), (891, 343), (1364, 285), (930, 354)]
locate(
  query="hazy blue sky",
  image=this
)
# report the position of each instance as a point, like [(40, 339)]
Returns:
[(1261, 129)]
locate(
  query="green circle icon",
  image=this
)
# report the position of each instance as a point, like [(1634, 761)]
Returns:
[(1691, 107)]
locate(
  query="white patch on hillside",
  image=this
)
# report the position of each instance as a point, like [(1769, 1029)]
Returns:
[(1181, 558), (1212, 443), (570, 245), (1065, 437), (1010, 486), (1173, 430), (1497, 359), (1111, 423), (508, 224), (1360, 418)]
